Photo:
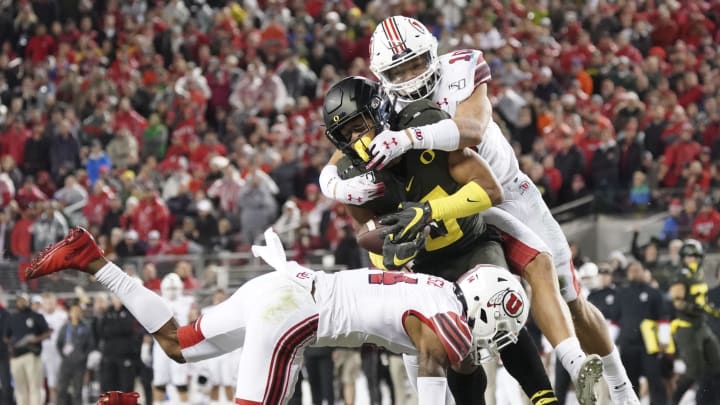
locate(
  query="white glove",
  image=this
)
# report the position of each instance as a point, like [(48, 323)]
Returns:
[(357, 190), (386, 146)]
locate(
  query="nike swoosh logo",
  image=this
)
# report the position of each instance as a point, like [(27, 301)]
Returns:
[(415, 220), (400, 262), (471, 201), (407, 188)]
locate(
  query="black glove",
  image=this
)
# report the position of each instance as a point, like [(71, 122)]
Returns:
[(397, 255), (408, 222)]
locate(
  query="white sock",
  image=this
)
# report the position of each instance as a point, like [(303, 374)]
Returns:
[(614, 371), (147, 307), (571, 356)]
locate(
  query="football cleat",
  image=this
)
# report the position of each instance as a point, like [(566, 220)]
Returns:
[(75, 251), (590, 373), (624, 395)]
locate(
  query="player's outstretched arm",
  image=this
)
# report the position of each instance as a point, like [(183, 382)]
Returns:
[(432, 361)]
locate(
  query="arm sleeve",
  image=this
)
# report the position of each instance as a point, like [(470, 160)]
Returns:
[(482, 70)]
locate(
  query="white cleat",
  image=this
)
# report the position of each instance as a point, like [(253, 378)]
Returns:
[(589, 375), (623, 395)]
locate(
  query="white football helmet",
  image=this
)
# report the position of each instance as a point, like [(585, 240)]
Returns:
[(400, 41), (171, 286), (497, 309)]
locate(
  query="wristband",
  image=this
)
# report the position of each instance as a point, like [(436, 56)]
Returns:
[(443, 135), (328, 180)]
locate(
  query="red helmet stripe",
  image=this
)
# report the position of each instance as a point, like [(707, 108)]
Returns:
[(397, 32)]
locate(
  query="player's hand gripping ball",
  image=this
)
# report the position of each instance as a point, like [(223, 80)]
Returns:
[(407, 223), (398, 255)]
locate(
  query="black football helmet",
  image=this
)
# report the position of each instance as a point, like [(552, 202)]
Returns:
[(692, 247), (349, 98)]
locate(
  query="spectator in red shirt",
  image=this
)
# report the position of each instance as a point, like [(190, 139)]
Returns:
[(185, 270), (126, 117), (151, 213), (693, 90), (21, 241), (12, 141), (553, 175), (706, 225), (29, 193), (155, 245), (40, 45), (665, 29), (7, 190), (677, 155), (179, 244), (150, 277), (98, 203)]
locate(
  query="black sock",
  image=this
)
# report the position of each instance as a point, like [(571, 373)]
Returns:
[(522, 361), (468, 389)]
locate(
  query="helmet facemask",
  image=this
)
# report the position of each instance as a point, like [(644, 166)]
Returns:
[(371, 117), (418, 87)]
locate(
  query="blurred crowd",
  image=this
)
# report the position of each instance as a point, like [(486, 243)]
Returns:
[(190, 126)]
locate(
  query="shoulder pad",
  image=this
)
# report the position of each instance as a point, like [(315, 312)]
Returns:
[(418, 113)]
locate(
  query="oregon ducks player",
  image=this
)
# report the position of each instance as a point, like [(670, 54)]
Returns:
[(694, 342), (353, 112)]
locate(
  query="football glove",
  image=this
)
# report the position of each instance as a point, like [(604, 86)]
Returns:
[(405, 224), (398, 255), (386, 146), (357, 190)]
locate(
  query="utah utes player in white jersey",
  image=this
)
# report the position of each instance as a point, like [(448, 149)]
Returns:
[(403, 55), (274, 317), (165, 371)]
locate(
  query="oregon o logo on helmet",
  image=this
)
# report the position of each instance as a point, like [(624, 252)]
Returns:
[(513, 303)]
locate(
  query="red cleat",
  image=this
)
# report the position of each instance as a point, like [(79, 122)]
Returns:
[(119, 398), (76, 251)]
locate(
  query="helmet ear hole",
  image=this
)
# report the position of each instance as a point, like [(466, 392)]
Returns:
[(483, 315)]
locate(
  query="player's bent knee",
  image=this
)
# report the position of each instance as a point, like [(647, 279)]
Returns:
[(541, 267)]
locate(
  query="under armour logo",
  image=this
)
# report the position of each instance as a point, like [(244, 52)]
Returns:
[(442, 103), (392, 141), (350, 198)]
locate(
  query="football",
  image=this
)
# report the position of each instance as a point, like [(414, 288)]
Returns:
[(370, 237)]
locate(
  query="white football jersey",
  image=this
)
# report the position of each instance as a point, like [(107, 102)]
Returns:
[(369, 306), (460, 72), (181, 308), (55, 321)]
